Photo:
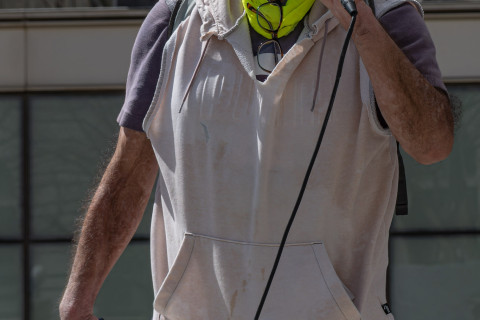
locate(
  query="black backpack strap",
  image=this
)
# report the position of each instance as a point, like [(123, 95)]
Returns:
[(174, 6), (371, 4), (180, 9), (401, 208)]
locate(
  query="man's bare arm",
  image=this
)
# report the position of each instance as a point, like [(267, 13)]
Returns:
[(111, 220), (419, 116)]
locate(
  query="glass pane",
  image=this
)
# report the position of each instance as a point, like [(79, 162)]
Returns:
[(49, 272), (128, 291), (16, 4), (436, 278), (144, 227), (126, 294), (10, 166), (73, 137), (11, 282), (446, 195)]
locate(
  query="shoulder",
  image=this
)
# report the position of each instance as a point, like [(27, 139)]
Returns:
[(404, 21), (154, 24)]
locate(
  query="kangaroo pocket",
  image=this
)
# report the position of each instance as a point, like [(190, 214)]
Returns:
[(217, 279)]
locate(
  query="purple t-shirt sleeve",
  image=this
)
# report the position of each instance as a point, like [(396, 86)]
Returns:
[(145, 67), (406, 27)]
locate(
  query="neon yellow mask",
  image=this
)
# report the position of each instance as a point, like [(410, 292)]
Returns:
[(293, 13)]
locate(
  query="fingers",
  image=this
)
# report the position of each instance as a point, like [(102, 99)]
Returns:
[(337, 9)]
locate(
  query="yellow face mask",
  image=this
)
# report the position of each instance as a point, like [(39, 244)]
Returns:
[(293, 13)]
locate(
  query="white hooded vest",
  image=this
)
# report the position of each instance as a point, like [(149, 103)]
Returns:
[(233, 152)]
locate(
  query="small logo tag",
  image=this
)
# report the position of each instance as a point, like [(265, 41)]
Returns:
[(386, 308)]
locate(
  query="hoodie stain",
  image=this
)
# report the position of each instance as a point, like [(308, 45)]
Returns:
[(233, 301), (205, 130)]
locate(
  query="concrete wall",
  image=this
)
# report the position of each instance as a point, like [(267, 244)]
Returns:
[(458, 46), (65, 54), (96, 53)]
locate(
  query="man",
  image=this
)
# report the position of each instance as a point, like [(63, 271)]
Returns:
[(232, 137)]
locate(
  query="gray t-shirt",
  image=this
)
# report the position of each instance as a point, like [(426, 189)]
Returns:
[(404, 25)]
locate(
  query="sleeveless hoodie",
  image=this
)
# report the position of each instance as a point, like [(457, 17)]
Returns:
[(233, 152)]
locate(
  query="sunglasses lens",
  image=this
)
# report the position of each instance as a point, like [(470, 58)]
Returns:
[(269, 16), (268, 55)]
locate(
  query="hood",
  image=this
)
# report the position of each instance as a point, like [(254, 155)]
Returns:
[(221, 17)]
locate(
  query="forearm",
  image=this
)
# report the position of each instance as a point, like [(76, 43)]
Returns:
[(112, 218), (106, 231), (418, 114)]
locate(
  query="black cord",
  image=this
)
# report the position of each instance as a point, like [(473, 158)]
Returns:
[(310, 166)]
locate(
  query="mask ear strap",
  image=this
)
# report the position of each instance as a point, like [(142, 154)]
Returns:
[(250, 7)]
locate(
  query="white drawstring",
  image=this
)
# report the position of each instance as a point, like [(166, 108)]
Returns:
[(194, 74)]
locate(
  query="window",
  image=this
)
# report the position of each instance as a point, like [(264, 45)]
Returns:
[(72, 138), (434, 250), (10, 207), (10, 164), (11, 278), (51, 146)]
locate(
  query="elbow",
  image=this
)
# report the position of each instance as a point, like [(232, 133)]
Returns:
[(431, 136), (436, 151)]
